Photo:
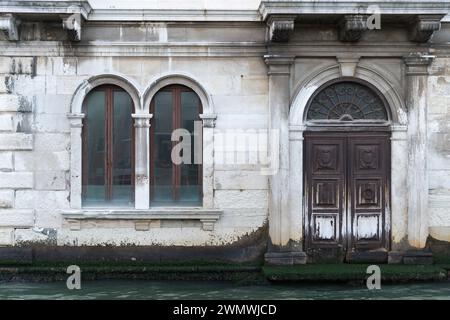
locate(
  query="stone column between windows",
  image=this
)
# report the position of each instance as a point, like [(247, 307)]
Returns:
[(142, 163), (280, 250), (76, 151), (416, 102)]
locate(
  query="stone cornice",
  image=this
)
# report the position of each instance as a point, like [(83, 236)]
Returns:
[(34, 7), (425, 16), (71, 14), (343, 7), (161, 15)]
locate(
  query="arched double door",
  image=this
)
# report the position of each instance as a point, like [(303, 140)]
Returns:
[(346, 171)]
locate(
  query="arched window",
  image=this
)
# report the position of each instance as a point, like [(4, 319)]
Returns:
[(175, 107), (108, 148), (347, 101)]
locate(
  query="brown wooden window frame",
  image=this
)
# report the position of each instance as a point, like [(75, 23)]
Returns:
[(176, 91), (109, 152)]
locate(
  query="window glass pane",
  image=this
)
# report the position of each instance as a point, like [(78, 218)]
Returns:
[(190, 191), (95, 144), (122, 192), (162, 165)]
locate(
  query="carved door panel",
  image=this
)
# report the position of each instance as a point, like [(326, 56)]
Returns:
[(369, 191), (347, 194), (325, 173)]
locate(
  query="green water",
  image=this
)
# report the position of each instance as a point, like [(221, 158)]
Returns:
[(117, 289)]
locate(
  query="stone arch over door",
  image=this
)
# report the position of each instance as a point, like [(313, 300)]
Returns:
[(397, 124)]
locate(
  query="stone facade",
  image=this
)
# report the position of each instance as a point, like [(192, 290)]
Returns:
[(253, 68)]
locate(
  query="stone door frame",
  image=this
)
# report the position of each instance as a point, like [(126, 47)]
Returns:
[(409, 217)]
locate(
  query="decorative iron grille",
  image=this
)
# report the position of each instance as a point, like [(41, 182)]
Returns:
[(347, 101)]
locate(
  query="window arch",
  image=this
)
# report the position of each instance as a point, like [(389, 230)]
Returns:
[(176, 107), (346, 101), (108, 147)]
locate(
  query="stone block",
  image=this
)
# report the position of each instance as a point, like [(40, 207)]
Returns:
[(240, 199), (441, 233), (50, 180), (53, 103), (48, 218), (6, 161), (6, 236), (371, 256), (255, 85), (16, 218), (42, 161), (98, 65), (16, 141), (67, 85), (27, 236), (16, 180), (17, 65), (285, 258), (395, 257), (420, 257), (4, 85), (242, 121), (64, 66), (241, 104), (31, 199), (6, 199), (6, 122), (10, 102), (51, 142), (240, 180), (51, 123)]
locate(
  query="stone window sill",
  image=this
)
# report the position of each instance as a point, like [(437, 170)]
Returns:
[(142, 218)]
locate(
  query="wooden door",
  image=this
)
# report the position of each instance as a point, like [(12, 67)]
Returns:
[(347, 194)]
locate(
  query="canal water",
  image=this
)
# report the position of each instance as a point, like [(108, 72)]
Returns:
[(167, 290)]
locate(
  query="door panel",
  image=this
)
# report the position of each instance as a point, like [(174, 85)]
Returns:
[(368, 180), (347, 193), (325, 171)]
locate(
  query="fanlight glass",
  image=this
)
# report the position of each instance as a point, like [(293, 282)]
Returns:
[(347, 101)]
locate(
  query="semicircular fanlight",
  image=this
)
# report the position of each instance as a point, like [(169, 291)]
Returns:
[(347, 101)]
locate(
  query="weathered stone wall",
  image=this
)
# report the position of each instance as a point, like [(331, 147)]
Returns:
[(439, 148), (41, 72), (35, 98)]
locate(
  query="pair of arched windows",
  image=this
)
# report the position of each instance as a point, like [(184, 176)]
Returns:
[(109, 148)]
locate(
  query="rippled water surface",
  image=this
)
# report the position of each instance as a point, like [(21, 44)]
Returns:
[(116, 289)]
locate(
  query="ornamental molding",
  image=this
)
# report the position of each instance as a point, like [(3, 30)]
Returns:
[(351, 27), (423, 27), (8, 25), (209, 120), (280, 27)]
